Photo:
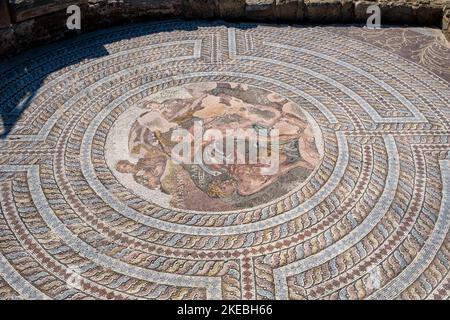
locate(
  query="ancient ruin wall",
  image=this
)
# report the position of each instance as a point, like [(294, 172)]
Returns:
[(27, 23)]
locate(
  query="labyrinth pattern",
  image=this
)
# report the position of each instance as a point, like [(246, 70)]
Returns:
[(371, 221)]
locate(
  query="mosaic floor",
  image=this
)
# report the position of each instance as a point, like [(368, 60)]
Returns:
[(92, 208)]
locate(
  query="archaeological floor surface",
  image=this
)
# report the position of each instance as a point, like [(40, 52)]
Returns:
[(360, 208)]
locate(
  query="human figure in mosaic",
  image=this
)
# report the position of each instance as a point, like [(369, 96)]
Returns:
[(219, 106)]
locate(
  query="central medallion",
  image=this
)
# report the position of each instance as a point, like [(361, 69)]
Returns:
[(214, 146)]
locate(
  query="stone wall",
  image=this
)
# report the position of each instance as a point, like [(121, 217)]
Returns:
[(446, 22), (26, 23)]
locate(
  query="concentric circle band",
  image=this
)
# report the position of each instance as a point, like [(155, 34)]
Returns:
[(90, 208)]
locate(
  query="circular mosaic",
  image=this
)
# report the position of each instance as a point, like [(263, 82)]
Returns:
[(116, 181), (224, 117)]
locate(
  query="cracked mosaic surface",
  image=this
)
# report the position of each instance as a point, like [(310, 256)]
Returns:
[(365, 214)]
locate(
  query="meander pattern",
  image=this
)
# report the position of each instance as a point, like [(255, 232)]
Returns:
[(363, 213)]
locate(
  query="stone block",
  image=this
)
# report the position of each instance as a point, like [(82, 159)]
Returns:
[(301, 10), (203, 9), (24, 10), (287, 10), (321, 11), (428, 13), (166, 8), (446, 23), (231, 9), (5, 18), (398, 12), (260, 9), (347, 10)]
